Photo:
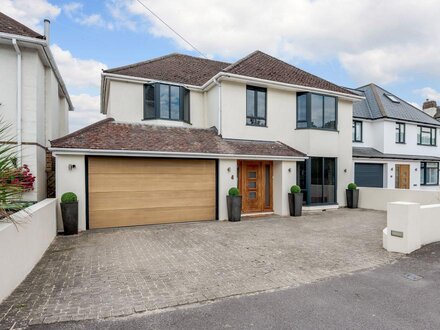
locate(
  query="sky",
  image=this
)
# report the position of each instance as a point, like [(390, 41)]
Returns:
[(393, 43)]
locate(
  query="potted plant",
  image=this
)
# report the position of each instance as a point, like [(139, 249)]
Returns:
[(234, 204), (352, 196), (69, 212), (295, 201)]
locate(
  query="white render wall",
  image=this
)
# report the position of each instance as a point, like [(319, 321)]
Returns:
[(73, 180), (227, 178), (23, 247), (284, 177)]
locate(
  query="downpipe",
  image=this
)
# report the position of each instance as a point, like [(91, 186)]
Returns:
[(19, 107)]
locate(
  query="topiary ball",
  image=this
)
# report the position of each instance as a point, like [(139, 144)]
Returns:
[(295, 189), (69, 197), (233, 192), (352, 186)]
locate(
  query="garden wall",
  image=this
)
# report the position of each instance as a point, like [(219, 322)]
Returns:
[(21, 248)]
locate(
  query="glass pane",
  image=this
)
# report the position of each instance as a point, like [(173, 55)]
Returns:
[(317, 119), (252, 195), (329, 180), (301, 178), (149, 102), (267, 187), (353, 132), (316, 181), (252, 184), (358, 131), (261, 104), (330, 112), (302, 108), (186, 109), (252, 175), (431, 175), (164, 101), (250, 103), (175, 102)]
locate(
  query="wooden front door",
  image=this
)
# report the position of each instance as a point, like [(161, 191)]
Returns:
[(255, 184), (402, 176)]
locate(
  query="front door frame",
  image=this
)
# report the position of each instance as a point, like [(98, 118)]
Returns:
[(262, 176)]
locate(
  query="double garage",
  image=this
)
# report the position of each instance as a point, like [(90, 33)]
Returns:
[(127, 191)]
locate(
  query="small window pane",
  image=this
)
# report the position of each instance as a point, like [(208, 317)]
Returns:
[(252, 195), (149, 112), (252, 175), (250, 103), (186, 116), (261, 104), (329, 112), (302, 108), (317, 111), (164, 101), (175, 102), (252, 185)]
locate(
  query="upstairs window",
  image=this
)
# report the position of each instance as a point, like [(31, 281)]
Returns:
[(427, 136), (357, 131), (429, 174), (316, 111), (256, 103), (400, 133), (167, 102)]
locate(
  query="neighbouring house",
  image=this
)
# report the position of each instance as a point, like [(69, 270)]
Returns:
[(182, 130), (33, 98), (431, 108), (395, 145)]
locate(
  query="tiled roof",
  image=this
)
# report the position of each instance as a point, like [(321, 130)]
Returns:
[(185, 69), (11, 26), (177, 68), (363, 152), (378, 105), (110, 135)]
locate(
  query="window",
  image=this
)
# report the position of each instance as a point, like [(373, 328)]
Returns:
[(357, 131), (429, 174), (316, 111), (392, 98), (256, 106), (427, 136), (400, 133), (168, 102)]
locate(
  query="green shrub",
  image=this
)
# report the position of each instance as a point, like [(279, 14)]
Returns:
[(295, 189), (352, 186), (69, 197), (233, 192)]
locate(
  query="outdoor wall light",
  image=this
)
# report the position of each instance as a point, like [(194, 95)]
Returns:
[(71, 166), (415, 169), (229, 169), (345, 170)]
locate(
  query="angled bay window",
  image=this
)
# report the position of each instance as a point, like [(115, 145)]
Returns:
[(316, 111), (256, 106), (429, 174), (167, 102), (427, 136)]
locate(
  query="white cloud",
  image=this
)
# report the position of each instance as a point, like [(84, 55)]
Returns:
[(75, 11), (429, 93), (86, 111), (72, 8), (78, 72), (30, 14), (375, 41)]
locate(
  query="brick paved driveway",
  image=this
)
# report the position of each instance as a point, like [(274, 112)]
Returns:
[(116, 272)]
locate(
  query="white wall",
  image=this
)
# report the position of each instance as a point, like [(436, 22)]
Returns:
[(378, 198), (226, 180), (23, 248), (71, 181), (283, 179)]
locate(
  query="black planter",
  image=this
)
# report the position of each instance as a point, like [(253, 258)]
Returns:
[(234, 208), (69, 212), (295, 204), (352, 198)]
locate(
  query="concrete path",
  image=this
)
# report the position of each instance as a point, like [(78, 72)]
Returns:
[(113, 273), (404, 296)]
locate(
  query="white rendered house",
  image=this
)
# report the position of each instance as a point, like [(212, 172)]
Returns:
[(395, 145), (33, 97), (182, 130)]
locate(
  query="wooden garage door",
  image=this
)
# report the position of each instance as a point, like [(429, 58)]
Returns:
[(139, 191)]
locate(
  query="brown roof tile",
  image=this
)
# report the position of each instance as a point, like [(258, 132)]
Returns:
[(11, 26), (110, 135)]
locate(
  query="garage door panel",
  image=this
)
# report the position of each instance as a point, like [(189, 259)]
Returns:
[(369, 175), (136, 182), (135, 191), (146, 199), (133, 217)]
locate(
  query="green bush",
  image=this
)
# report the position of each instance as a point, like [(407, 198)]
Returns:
[(69, 197), (352, 186), (295, 189), (233, 192)]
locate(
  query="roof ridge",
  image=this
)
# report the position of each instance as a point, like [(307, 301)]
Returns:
[(40, 36), (233, 65), (82, 130), (158, 59)]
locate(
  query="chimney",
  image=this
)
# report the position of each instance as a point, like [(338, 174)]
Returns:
[(47, 30), (429, 104)]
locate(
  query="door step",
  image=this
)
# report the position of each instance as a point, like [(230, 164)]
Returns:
[(257, 214)]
